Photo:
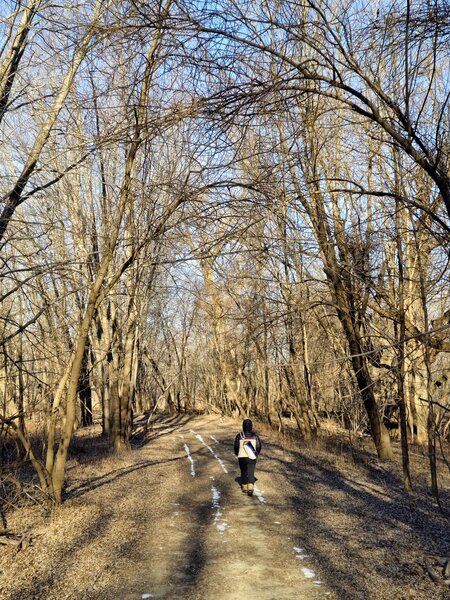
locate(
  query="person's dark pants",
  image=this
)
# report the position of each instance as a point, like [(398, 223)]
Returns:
[(247, 466)]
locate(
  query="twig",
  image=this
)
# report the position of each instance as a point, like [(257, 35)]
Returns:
[(6, 532)]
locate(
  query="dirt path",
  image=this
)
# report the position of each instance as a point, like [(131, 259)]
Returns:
[(167, 520), (210, 540)]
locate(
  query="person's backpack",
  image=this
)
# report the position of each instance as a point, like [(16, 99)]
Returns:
[(248, 447)]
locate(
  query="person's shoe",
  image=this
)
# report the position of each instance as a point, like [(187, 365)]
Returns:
[(250, 489), (245, 488)]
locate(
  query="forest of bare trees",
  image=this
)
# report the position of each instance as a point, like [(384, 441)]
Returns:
[(238, 207)]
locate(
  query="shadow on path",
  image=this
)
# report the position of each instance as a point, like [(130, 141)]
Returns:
[(359, 524)]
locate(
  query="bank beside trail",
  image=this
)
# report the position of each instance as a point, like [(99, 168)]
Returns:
[(167, 520)]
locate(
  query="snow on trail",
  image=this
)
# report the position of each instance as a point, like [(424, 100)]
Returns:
[(188, 452), (259, 494), (307, 573), (219, 460), (299, 553), (221, 524)]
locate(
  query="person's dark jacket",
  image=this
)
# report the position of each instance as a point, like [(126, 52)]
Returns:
[(248, 434)]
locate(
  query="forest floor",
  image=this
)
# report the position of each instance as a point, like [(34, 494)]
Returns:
[(167, 519)]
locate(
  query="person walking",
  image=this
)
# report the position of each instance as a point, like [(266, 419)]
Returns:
[(247, 447)]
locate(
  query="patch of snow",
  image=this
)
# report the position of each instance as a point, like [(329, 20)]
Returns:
[(277, 522), (317, 582), (221, 524), (259, 494), (308, 573), (188, 452), (147, 596), (215, 497), (221, 527), (214, 439), (219, 460), (200, 439), (225, 470), (299, 553)]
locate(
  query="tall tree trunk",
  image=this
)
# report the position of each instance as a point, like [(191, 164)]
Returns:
[(58, 472), (21, 388), (85, 391), (379, 432), (104, 327), (431, 421), (400, 371), (127, 385), (116, 415)]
